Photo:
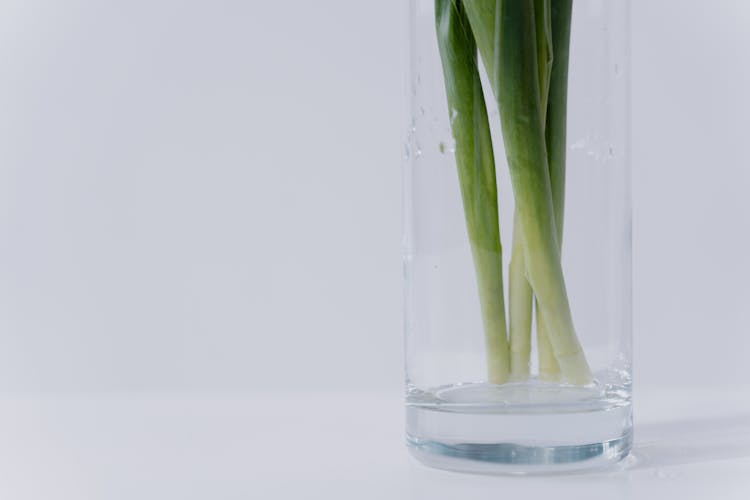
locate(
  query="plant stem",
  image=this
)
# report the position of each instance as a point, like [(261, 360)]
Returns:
[(521, 296), (544, 49), (476, 171), (520, 300), (557, 112), (549, 368), (506, 37)]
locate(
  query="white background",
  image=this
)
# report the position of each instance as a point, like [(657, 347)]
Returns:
[(203, 197)]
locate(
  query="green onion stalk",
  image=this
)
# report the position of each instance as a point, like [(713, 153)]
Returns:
[(523, 45), (476, 171)]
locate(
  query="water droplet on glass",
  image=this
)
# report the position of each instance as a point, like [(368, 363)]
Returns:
[(454, 114), (579, 144), (407, 151), (617, 69), (441, 147), (421, 110)]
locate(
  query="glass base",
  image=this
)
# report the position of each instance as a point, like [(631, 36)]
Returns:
[(519, 428), (507, 458)]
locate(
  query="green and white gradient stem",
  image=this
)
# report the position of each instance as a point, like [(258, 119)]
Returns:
[(505, 32), (520, 301), (556, 137), (520, 293), (476, 172)]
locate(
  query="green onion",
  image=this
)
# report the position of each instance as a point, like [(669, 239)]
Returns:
[(521, 296), (476, 171), (557, 113), (516, 40)]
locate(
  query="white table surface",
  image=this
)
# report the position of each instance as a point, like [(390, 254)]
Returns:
[(689, 444)]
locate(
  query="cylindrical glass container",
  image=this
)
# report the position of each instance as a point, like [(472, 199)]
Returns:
[(517, 235)]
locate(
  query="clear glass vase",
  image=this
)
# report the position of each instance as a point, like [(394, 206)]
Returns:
[(518, 317)]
